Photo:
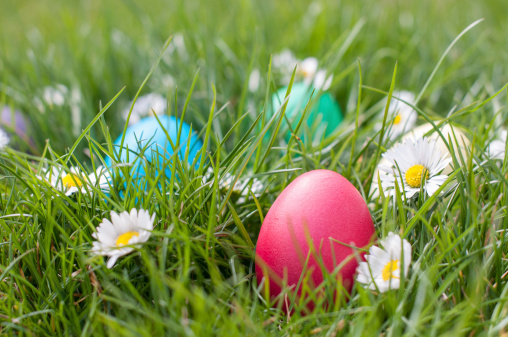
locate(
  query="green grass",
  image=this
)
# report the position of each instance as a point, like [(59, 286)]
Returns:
[(196, 274)]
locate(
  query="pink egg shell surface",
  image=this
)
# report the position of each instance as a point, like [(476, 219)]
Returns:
[(319, 205)]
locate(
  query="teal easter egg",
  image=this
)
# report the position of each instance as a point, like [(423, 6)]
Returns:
[(323, 116), (150, 139)]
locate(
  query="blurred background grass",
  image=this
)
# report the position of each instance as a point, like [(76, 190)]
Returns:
[(98, 47)]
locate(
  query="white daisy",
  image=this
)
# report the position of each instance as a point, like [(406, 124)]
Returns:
[(254, 80), (4, 139), (382, 270), (497, 148), (313, 75), (60, 96), (179, 44), (403, 116), (145, 106), (55, 96), (283, 64), (75, 102), (418, 160), (243, 186), (75, 180), (124, 229), (321, 81), (101, 178), (308, 68), (168, 81)]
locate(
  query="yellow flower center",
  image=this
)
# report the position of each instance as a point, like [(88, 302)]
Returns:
[(397, 119), (71, 180), (389, 269), (414, 175), (125, 238), (303, 72)]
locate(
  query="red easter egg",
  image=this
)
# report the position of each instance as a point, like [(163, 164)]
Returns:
[(315, 207)]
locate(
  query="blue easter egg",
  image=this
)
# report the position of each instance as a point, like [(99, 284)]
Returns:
[(323, 109), (149, 138)]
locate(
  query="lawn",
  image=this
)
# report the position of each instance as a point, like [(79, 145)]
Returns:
[(71, 70)]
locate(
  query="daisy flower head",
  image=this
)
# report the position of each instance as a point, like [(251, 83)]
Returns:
[(178, 45), (122, 234), (74, 105), (403, 116), (75, 180), (101, 178), (145, 106), (322, 81), (283, 64), (414, 163), (309, 68), (497, 148), (167, 81), (4, 139), (55, 96), (314, 76), (383, 267), (59, 96), (242, 188), (254, 80)]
